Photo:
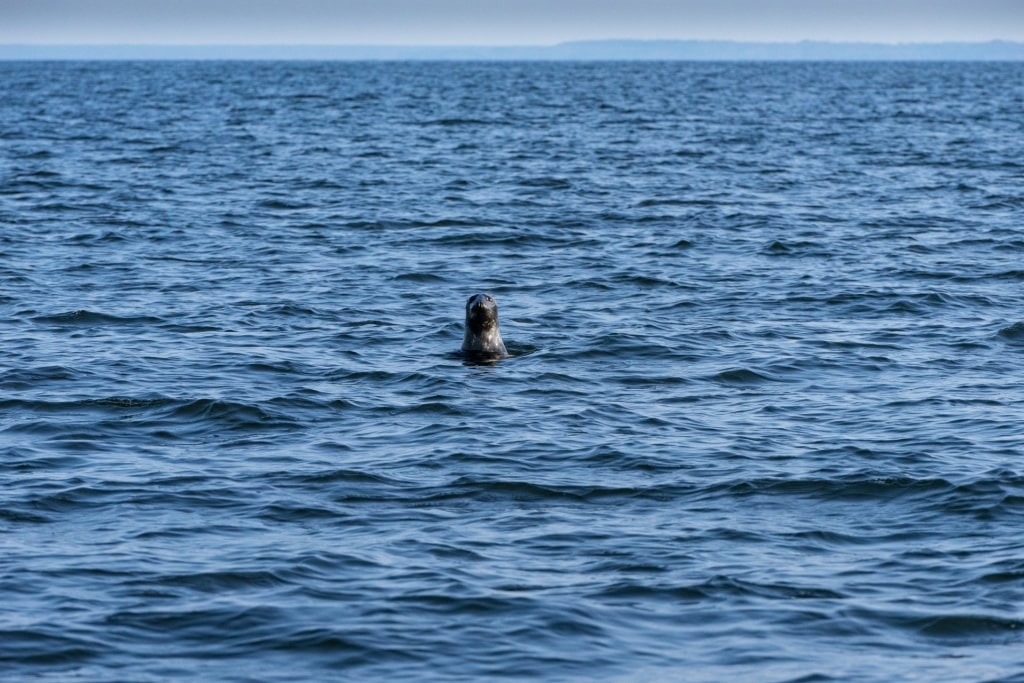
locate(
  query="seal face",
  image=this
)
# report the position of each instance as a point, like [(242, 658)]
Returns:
[(483, 336)]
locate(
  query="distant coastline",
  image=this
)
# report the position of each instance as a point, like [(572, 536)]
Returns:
[(597, 50)]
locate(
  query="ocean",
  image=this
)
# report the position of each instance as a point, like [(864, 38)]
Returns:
[(761, 420)]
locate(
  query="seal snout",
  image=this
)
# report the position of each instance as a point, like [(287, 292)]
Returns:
[(481, 311)]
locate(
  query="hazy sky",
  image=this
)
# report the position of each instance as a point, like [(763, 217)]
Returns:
[(502, 22)]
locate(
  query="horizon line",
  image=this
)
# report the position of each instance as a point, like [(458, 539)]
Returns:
[(584, 41), (621, 49)]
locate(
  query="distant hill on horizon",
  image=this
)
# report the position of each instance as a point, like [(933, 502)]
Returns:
[(591, 50)]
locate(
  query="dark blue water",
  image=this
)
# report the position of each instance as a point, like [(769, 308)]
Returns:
[(763, 421)]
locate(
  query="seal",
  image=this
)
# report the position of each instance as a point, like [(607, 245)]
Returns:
[(483, 336)]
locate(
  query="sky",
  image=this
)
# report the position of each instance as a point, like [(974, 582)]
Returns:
[(502, 22)]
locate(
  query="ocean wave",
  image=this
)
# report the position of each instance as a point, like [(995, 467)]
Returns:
[(760, 418), (85, 318)]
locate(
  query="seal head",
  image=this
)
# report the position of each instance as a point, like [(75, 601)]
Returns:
[(483, 336)]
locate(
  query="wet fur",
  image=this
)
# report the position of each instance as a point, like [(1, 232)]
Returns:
[(483, 335)]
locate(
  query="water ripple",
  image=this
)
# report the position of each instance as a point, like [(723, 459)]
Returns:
[(760, 418)]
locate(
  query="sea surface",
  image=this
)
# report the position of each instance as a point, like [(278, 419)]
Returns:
[(763, 418)]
